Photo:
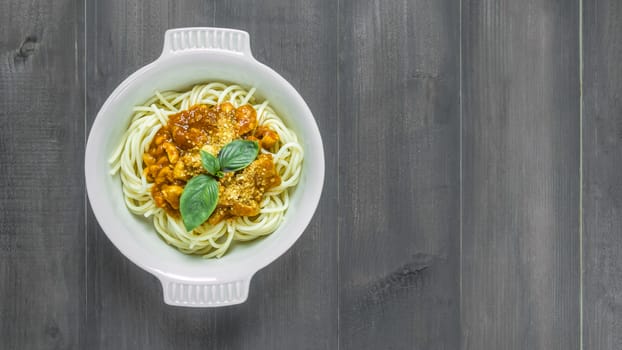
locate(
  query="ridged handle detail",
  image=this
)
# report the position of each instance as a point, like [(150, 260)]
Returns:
[(183, 39), (204, 294)]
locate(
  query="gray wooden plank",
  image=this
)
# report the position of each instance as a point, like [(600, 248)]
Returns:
[(602, 184), (41, 184), (520, 182), (292, 302), (125, 308), (399, 174)]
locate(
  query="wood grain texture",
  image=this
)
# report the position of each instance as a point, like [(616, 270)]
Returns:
[(602, 183), (399, 175), (520, 266), (41, 183), (292, 302), (451, 212), (125, 308)]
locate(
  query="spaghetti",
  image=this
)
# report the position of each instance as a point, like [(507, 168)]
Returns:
[(206, 240)]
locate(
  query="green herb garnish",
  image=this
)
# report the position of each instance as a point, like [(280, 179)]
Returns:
[(198, 200), (200, 196), (211, 164), (237, 155)]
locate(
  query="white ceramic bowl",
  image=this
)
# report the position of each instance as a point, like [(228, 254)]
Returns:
[(192, 56)]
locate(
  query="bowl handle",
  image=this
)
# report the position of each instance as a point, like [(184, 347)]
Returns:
[(204, 38), (204, 294)]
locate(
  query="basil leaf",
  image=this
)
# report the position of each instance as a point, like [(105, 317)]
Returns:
[(198, 201), (237, 155), (210, 163)]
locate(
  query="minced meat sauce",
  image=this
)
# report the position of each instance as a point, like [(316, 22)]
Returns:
[(174, 157)]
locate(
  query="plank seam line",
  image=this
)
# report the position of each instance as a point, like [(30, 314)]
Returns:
[(581, 174), (460, 194), (338, 179), (86, 221)]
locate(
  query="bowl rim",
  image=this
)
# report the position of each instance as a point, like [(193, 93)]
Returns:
[(172, 281)]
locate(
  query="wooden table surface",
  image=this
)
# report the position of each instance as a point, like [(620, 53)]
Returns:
[(473, 193)]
